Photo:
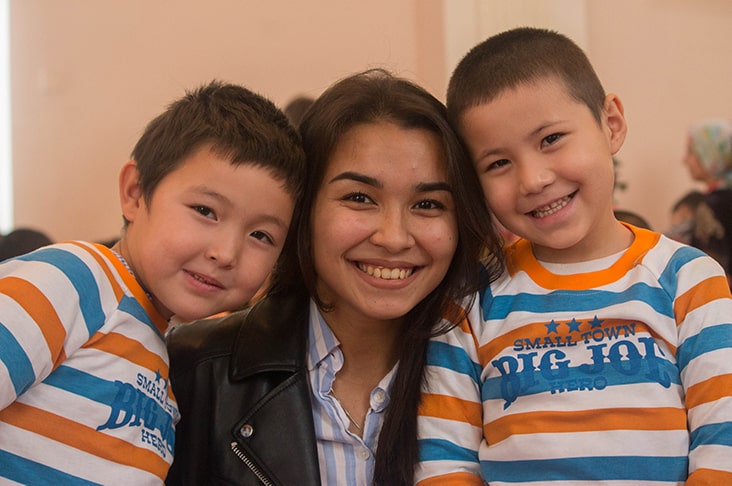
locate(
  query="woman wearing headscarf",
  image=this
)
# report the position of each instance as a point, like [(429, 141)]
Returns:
[(709, 161)]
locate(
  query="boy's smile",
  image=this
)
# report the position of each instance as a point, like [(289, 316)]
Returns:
[(545, 165), (208, 238)]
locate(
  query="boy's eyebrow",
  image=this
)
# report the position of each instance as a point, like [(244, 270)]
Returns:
[(217, 195), (531, 134), (275, 220), (421, 187)]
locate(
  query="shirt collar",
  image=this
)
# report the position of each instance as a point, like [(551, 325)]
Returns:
[(322, 342)]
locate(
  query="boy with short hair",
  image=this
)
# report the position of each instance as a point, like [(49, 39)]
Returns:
[(207, 202), (604, 352)]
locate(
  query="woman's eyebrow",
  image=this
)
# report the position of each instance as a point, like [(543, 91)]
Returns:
[(434, 186), (364, 179), (355, 176)]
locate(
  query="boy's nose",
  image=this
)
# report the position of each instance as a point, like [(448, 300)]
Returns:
[(534, 178), (223, 250)]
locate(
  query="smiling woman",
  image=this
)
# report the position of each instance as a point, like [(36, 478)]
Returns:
[(390, 230)]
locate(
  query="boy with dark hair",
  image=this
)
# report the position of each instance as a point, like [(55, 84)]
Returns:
[(207, 202), (604, 352)]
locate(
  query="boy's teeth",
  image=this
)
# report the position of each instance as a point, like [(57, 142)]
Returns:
[(386, 273), (551, 208)]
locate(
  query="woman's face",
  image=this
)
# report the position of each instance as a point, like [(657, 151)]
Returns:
[(383, 221)]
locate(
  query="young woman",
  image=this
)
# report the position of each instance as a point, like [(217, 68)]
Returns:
[(319, 382)]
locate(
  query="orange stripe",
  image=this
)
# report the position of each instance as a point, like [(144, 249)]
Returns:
[(37, 305), (451, 408), (104, 265), (454, 313), (707, 290), (131, 350), (128, 349), (520, 251), (585, 421), (709, 390), (536, 331), (135, 288), (454, 479), (84, 438), (709, 477)]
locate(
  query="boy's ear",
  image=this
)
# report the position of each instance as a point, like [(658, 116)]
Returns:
[(130, 193), (614, 114)]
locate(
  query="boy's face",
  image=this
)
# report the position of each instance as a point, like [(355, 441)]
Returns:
[(546, 168), (208, 237)]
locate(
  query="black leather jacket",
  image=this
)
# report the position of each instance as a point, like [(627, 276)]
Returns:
[(243, 393)]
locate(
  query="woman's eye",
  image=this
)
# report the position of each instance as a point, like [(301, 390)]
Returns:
[(358, 197), (262, 236), (204, 211), (429, 204)]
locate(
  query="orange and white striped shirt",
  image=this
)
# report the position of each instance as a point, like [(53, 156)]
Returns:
[(613, 372), (84, 388)]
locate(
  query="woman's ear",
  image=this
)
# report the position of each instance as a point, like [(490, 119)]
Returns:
[(614, 114), (130, 193)]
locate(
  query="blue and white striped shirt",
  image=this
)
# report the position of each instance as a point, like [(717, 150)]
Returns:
[(345, 458)]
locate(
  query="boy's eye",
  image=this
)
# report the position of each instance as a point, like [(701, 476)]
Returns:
[(551, 139), (204, 211), (498, 164), (262, 236)]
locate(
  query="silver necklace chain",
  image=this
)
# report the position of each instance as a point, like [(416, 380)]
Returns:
[(353, 421)]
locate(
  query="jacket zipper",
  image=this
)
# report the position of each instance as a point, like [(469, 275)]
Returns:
[(262, 478)]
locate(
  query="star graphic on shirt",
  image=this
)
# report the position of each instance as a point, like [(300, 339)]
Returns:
[(552, 327), (574, 325), (158, 376), (596, 322)]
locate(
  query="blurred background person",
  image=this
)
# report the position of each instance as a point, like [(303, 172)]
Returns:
[(709, 161)]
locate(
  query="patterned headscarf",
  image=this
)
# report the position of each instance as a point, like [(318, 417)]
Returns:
[(712, 142)]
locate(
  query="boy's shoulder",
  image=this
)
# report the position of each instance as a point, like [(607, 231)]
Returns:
[(74, 259)]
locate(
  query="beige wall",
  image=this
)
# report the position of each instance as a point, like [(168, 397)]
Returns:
[(87, 75)]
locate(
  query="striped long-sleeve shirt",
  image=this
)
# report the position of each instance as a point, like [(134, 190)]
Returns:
[(84, 390), (620, 374)]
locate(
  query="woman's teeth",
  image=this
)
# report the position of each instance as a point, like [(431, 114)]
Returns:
[(551, 208), (386, 273)]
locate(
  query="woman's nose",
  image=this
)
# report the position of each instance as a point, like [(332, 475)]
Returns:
[(392, 232)]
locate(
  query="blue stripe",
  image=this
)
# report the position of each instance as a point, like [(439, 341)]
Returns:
[(621, 468), (453, 358), (708, 340), (669, 279), (712, 434), (131, 306), (81, 278), (83, 384), (443, 450), (24, 471), (501, 306), (17, 362)]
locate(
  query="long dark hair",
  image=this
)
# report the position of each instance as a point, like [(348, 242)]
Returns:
[(374, 96)]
